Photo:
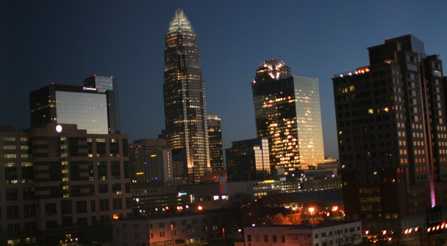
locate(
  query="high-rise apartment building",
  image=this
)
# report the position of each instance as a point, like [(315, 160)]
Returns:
[(184, 99), (392, 133), (58, 182), (248, 159), (215, 141), (66, 104), (287, 110), (109, 86)]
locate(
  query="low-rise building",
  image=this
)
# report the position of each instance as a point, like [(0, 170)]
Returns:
[(165, 230), (320, 235)]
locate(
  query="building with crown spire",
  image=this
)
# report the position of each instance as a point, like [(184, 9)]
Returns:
[(185, 101), (287, 110)]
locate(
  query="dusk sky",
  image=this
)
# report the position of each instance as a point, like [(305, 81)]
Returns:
[(65, 41)]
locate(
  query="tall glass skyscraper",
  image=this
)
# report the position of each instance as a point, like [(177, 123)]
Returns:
[(184, 98), (288, 113)]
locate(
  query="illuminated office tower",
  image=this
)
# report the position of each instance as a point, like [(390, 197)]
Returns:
[(215, 140), (392, 132), (287, 110), (109, 86), (184, 99)]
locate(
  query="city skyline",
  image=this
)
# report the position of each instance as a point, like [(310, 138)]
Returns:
[(65, 42)]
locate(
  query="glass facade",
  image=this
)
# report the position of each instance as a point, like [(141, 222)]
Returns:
[(288, 113), (87, 110), (108, 85), (184, 97), (310, 133)]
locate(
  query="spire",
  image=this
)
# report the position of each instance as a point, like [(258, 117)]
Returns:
[(180, 25)]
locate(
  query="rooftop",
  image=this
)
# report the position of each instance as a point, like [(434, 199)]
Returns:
[(180, 25)]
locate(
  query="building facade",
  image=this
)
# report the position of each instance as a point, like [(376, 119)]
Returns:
[(287, 110), (59, 182), (150, 161), (109, 86), (248, 160), (391, 123), (185, 100), (215, 141), (168, 230), (66, 104), (334, 234)]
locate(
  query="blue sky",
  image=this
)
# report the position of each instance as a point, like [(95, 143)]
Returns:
[(65, 41)]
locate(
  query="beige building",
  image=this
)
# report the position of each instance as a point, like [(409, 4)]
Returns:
[(334, 234), (166, 230)]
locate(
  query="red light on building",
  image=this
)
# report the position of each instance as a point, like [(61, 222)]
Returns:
[(116, 217), (94, 75), (111, 77), (200, 208)]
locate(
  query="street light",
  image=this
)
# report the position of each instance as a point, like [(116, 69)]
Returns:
[(311, 211)]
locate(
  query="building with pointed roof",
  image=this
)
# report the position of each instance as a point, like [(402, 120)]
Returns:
[(185, 100), (287, 110)]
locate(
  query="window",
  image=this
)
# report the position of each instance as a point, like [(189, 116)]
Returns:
[(274, 238), (29, 211), (50, 209), (51, 224), (93, 205), (104, 205), (103, 189), (12, 195), (115, 169), (117, 203), (116, 188), (266, 238), (81, 207), (102, 170), (248, 238), (283, 238), (12, 212), (66, 207)]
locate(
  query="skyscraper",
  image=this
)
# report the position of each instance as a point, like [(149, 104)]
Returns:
[(392, 132), (215, 141), (287, 110), (184, 98)]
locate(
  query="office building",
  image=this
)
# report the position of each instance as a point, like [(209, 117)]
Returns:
[(287, 110), (150, 161), (109, 86), (185, 101), (59, 182), (215, 142), (392, 132), (248, 160), (65, 104)]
